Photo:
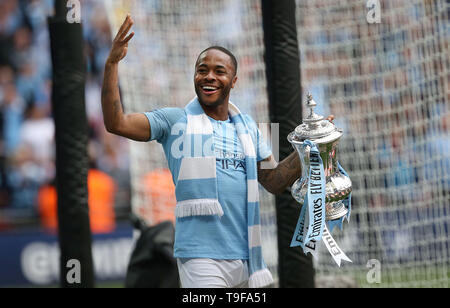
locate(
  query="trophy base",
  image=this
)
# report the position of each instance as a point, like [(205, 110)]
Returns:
[(335, 210)]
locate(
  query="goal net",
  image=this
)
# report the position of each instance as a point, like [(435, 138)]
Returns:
[(387, 84)]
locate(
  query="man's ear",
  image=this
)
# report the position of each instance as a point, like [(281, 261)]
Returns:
[(233, 82)]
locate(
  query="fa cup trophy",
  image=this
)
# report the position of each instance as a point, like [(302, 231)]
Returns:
[(324, 188)]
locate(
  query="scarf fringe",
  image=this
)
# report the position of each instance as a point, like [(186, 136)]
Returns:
[(260, 279), (198, 207)]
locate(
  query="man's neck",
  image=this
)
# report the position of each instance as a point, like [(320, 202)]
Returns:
[(219, 113)]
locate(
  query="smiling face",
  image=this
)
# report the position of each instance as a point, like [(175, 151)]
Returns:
[(214, 77)]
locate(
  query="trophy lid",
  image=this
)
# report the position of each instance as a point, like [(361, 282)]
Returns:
[(315, 127)]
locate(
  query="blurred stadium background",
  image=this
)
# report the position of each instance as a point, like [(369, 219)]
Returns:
[(386, 83)]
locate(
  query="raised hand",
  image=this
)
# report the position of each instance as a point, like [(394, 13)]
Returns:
[(120, 43)]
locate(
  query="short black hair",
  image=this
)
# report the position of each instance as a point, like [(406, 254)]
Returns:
[(224, 50)]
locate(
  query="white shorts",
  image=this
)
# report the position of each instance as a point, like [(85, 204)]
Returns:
[(212, 273)]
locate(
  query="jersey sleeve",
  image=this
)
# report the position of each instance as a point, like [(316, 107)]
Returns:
[(262, 148), (161, 121)]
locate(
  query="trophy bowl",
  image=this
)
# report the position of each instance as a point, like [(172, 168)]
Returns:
[(326, 136)]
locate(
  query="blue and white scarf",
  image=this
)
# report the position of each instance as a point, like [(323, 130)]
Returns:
[(196, 189)]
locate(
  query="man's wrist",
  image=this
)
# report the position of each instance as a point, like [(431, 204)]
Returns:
[(110, 62)]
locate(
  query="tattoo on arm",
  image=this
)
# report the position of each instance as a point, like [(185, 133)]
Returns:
[(278, 179), (111, 106), (117, 107)]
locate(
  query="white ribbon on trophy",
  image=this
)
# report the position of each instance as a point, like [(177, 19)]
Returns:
[(311, 226)]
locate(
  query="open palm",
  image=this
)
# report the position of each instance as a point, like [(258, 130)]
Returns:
[(120, 43)]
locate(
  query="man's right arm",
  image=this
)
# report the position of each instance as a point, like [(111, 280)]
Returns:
[(134, 125)]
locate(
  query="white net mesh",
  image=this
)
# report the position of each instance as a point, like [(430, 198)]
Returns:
[(387, 84), (158, 72)]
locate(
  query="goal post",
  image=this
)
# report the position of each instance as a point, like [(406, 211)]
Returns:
[(282, 61), (71, 140)]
